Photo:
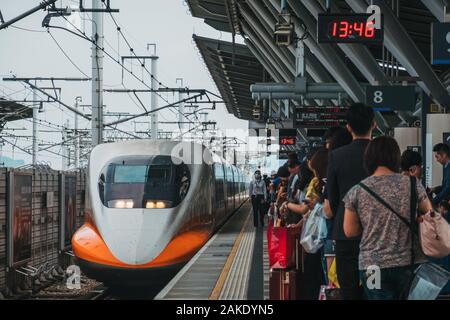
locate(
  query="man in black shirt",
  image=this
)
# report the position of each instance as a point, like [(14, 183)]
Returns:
[(346, 169)]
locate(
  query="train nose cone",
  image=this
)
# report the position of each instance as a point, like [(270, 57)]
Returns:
[(138, 237)]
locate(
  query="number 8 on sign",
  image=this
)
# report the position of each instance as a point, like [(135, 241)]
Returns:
[(378, 97)]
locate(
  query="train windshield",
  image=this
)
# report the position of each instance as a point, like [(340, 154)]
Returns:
[(143, 182)]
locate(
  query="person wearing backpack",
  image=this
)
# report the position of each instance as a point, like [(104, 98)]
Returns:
[(379, 209)]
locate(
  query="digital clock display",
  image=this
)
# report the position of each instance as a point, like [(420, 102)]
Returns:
[(348, 28), (287, 141)]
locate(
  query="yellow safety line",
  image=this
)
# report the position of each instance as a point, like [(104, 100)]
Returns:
[(215, 294)]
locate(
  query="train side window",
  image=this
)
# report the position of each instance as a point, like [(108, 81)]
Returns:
[(219, 174), (184, 180), (235, 181)]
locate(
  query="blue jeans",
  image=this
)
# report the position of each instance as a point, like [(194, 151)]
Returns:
[(394, 283)]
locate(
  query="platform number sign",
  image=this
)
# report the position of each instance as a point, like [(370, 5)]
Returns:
[(440, 43), (391, 98), (378, 97), (446, 138)]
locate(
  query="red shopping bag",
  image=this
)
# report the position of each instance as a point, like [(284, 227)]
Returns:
[(281, 244)]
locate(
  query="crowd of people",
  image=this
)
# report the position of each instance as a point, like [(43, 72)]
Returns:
[(355, 184)]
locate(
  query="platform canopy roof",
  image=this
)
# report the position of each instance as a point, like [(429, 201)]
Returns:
[(233, 69), (12, 111), (404, 55)]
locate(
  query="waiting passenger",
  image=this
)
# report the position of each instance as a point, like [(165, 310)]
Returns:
[(345, 170), (328, 136), (337, 137), (385, 238), (294, 205), (444, 209), (284, 174), (411, 163), (312, 262), (340, 137), (442, 155), (258, 194)]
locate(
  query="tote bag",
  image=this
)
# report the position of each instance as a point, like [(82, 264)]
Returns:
[(434, 235), (314, 231)]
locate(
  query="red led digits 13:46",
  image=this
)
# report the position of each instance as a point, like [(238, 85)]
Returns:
[(290, 141), (343, 29)]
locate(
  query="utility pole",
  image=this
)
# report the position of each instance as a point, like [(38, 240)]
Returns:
[(154, 95), (97, 73), (64, 148), (181, 106), (77, 136), (35, 127)]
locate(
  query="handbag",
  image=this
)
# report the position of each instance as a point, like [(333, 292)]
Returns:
[(281, 244), (433, 230), (314, 231), (434, 235), (428, 279)]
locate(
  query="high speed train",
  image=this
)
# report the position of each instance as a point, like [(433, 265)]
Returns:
[(149, 210)]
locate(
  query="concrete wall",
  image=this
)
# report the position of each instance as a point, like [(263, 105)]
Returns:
[(437, 124), (407, 137)]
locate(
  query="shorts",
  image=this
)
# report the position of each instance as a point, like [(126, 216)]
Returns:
[(329, 248)]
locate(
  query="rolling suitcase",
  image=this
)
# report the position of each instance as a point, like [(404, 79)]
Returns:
[(283, 284)]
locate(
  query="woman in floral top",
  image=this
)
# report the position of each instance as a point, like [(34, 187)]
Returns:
[(386, 239)]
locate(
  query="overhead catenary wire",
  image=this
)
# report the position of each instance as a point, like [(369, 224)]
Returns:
[(83, 36), (66, 55), (119, 29), (112, 58), (26, 29)]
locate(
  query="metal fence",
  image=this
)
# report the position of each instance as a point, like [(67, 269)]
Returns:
[(26, 263)]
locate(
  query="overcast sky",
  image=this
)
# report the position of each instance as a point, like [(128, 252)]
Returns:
[(167, 23)]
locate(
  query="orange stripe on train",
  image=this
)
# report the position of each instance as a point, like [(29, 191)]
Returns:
[(88, 245)]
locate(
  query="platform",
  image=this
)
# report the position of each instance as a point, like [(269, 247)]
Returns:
[(229, 266)]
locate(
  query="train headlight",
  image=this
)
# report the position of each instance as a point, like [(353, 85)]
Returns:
[(157, 204), (121, 203)]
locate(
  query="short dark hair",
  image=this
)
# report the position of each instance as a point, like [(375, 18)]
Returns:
[(340, 138), (330, 133), (283, 172), (410, 158), (305, 176), (311, 152), (319, 162), (292, 156), (442, 148), (360, 118), (294, 163), (382, 151)]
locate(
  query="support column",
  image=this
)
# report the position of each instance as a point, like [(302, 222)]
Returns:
[(180, 106), (77, 135), (64, 148), (97, 74), (154, 98), (35, 127)]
